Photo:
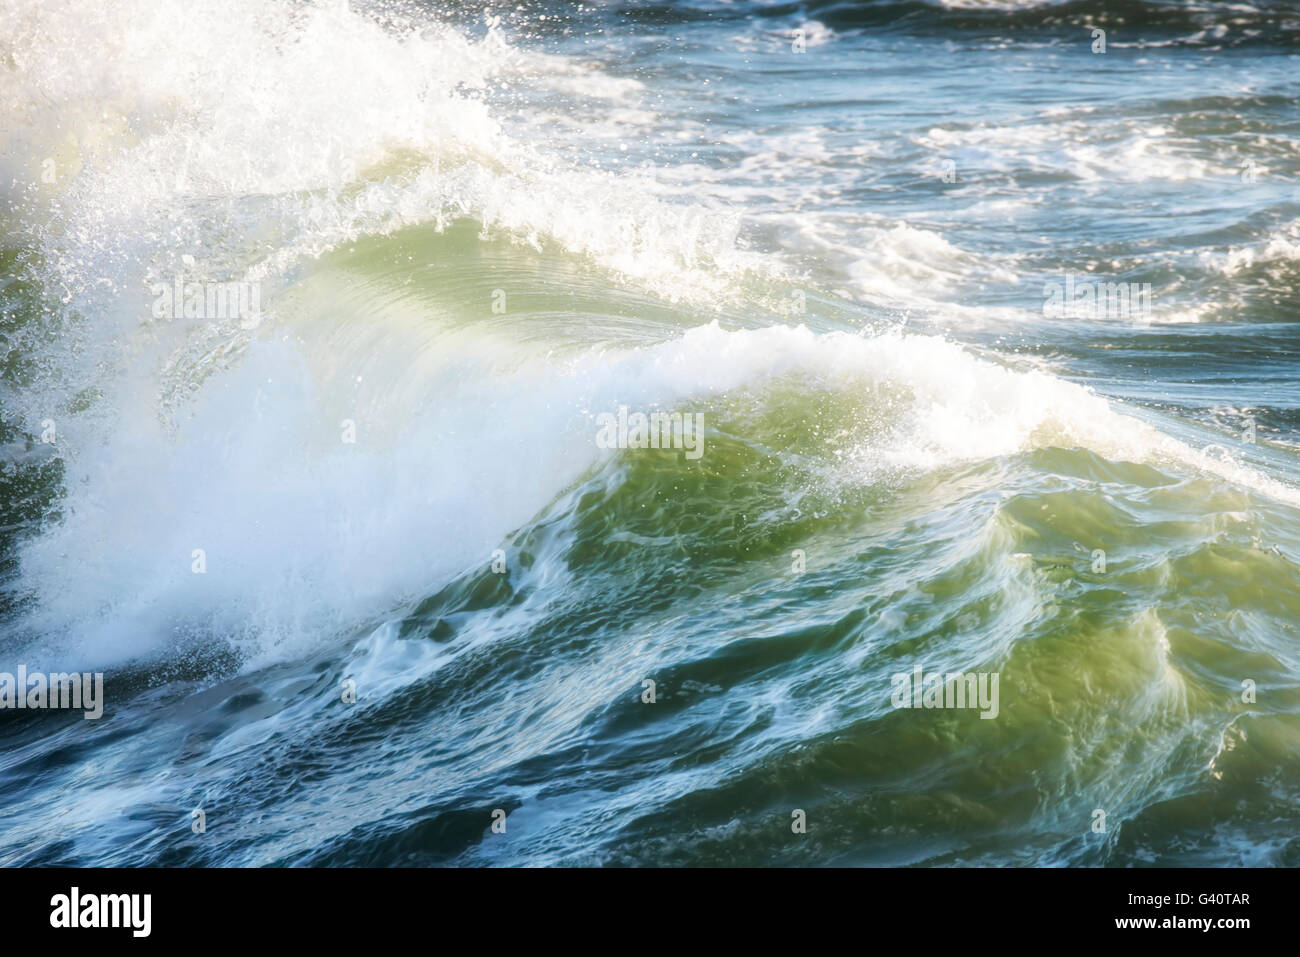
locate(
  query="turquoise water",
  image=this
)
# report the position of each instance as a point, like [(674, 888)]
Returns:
[(364, 577)]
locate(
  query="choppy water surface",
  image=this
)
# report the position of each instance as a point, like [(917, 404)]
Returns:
[(825, 230)]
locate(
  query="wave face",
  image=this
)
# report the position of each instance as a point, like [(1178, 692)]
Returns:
[(312, 314)]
